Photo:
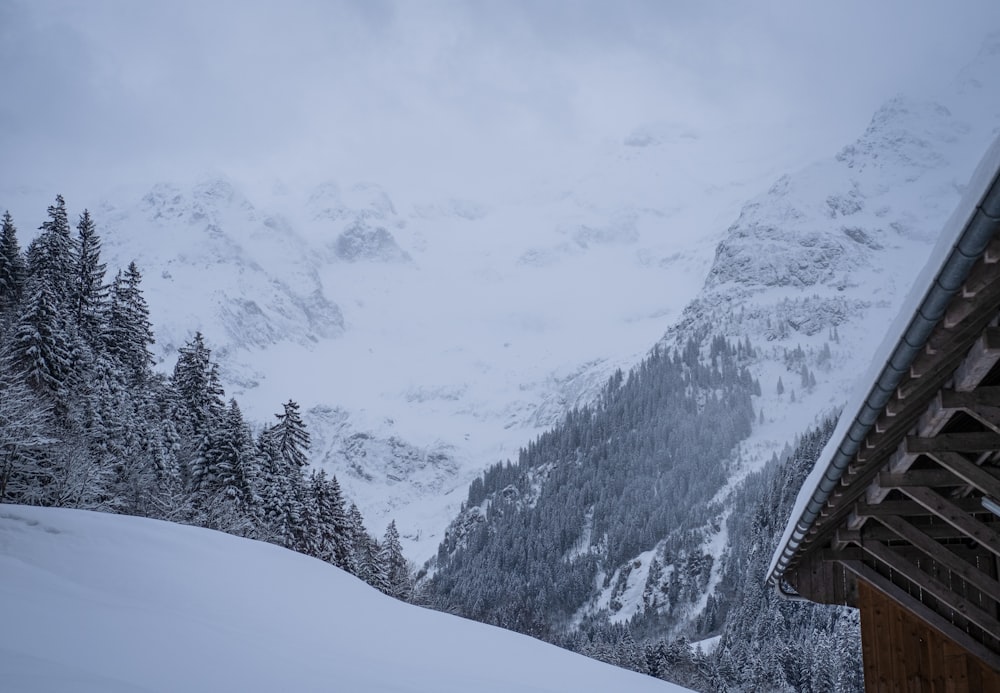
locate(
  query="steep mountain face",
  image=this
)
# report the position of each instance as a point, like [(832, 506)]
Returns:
[(213, 259), (800, 289), (425, 340)]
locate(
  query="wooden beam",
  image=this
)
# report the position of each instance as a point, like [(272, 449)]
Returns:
[(954, 442), (983, 355), (979, 532), (988, 416), (959, 311), (951, 339), (950, 347), (939, 531), (913, 509), (919, 477), (977, 476), (848, 554), (933, 586), (979, 397), (937, 552), (924, 612)]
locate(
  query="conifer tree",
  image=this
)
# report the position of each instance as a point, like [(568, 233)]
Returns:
[(372, 568), (12, 269), (41, 347), (397, 570), (281, 495), (291, 437), (90, 293), (196, 381), (329, 541), (128, 332), (358, 538), (50, 255)]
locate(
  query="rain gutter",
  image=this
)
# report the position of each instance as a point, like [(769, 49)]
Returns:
[(982, 225)]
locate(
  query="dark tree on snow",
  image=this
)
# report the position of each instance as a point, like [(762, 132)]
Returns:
[(12, 267), (290, 436), (89, 292), (128, 335)]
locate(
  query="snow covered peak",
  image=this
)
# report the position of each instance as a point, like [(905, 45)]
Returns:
[(906, 135), (835, 219), (213, 263), (360, 201)]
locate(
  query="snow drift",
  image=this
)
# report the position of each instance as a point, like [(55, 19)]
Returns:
[(96, 602)]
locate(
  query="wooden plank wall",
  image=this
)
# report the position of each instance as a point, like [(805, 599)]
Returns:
[(902, 654), (822, 581)]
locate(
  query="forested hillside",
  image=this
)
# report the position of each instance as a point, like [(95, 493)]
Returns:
[(770, 643), (514, 555), (636, 472), (86, 422)]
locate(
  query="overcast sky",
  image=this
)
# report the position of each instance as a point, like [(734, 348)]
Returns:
[(445, 94)]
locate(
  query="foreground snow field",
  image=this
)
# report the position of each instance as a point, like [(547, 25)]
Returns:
[(97, 602)]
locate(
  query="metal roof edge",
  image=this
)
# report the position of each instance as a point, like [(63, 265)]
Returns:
[(963, 240)]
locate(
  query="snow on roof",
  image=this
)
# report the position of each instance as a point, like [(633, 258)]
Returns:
[(842, 446)]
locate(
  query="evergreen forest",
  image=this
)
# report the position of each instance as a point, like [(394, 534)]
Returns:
[(643, 471), (86, 422)]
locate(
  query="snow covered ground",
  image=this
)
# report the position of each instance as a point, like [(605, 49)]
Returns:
[(97, 602)]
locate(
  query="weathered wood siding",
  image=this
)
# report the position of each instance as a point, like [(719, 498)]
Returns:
[(903, 654)]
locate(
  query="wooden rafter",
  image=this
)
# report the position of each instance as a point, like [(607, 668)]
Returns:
[(911, 508), (954, 442), (933, 478), (941, 554), (933, 586), (970, 472), (979, 532), (862, 477)]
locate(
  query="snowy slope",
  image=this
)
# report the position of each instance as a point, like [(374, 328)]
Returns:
[(96, 602)]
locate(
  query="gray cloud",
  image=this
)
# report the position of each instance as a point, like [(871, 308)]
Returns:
[(462, 93)]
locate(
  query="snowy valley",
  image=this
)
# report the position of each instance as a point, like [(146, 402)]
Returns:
[(425, 341), (577, 407)]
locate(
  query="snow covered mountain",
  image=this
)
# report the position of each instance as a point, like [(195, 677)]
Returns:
[(809, 274), (431, 338), (97, 602), (426, 339)]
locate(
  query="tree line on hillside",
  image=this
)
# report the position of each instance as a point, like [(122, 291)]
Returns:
[(765, 643), (547, 545), (637, 470), (86, 422)]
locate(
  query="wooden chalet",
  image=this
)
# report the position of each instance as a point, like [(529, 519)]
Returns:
[(901, 516)]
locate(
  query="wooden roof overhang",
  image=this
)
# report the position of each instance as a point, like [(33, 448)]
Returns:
[(903, 497)]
